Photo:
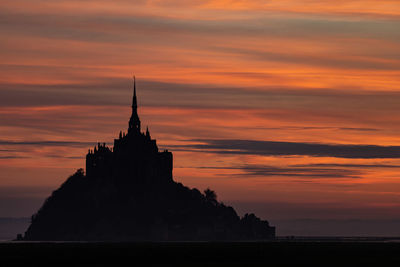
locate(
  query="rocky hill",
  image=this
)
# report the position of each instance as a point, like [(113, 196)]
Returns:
[(128, 194)]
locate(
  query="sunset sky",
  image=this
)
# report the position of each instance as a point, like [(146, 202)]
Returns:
[(289, 109)]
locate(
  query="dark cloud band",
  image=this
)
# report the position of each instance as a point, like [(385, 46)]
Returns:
[(273, 148), (252, 170), (46, 143)]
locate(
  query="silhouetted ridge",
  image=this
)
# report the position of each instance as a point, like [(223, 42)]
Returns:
[(128, 193)]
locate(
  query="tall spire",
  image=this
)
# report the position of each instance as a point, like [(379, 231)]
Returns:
[(134, 122), (134, 101)]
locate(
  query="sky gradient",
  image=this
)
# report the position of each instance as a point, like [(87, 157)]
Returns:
[(287, 109)]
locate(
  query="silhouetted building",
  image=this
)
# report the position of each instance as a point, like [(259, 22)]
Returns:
[(128, 193), (135, 158)]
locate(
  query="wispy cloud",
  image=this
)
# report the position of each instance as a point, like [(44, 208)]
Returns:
[(47, 143), (13, 157), (274, 148), (297, 128), (252, 170), (342, 165)]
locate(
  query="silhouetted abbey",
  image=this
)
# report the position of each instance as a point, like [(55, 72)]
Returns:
[(134, 159), (128, 194)]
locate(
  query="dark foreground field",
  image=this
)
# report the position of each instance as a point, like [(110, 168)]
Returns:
[(201, 254)]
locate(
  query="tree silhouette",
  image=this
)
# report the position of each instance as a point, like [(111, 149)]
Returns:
[(210, 195)]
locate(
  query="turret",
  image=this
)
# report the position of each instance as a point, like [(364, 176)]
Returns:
[(147, 132)]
